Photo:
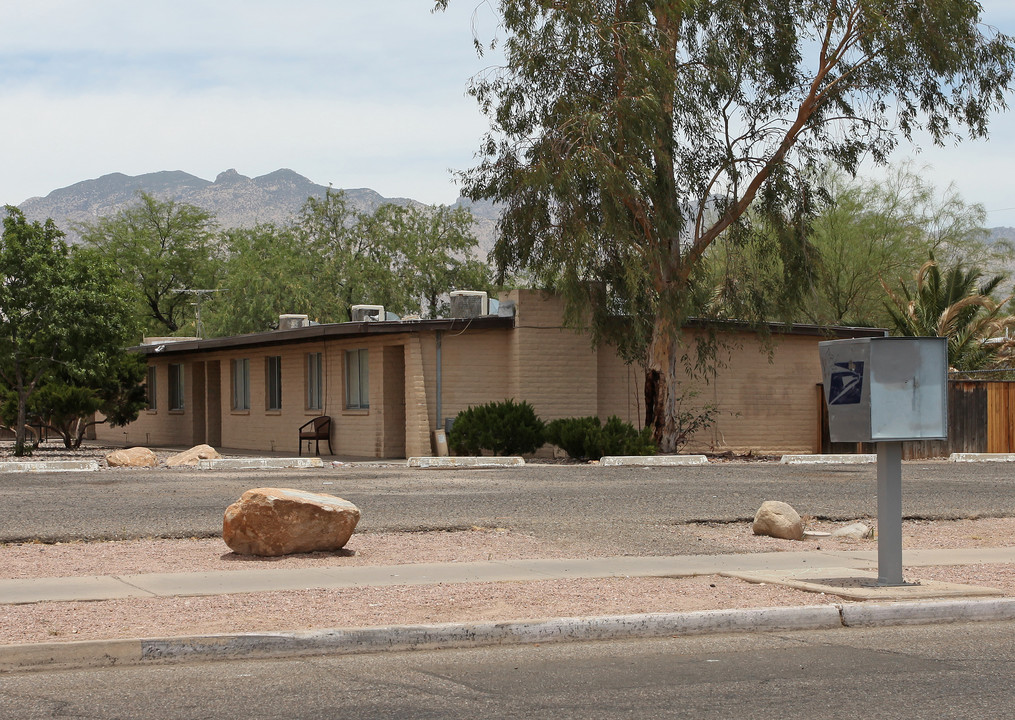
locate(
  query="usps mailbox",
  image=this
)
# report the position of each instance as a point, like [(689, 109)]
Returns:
[(886, 389)]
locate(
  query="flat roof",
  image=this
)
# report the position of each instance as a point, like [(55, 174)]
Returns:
[(316, 333), (830, 331)]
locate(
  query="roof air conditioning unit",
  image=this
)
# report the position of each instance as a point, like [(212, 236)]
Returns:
[(291, 322), (469, 304), (367, 313)]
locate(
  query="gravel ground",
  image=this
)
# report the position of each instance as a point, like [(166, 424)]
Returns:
[(357, 607)]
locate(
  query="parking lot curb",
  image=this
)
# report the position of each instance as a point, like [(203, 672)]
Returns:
[(653, 460), (260, 463), (50, 466), (981, 457), (464, 461), (858, 459), (128, 652)]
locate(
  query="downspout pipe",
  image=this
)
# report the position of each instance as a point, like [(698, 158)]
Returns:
[(440, 410)]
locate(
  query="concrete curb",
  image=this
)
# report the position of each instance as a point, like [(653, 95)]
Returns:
[(473, 462), (858, 459), (981, 457), (50, 466), (101, 653), (260, 463), (653, 460), (104, 653), (933, 611)]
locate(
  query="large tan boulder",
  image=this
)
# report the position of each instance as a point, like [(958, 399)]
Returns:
[(192, 456), (280, 521), (132, 457), (779, 520)]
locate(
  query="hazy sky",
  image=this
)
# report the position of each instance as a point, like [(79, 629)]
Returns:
[(347, 92)]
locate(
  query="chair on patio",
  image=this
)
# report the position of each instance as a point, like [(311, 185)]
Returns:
[(317, 429)]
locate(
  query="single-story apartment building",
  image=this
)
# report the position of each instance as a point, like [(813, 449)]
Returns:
[(388, 385)]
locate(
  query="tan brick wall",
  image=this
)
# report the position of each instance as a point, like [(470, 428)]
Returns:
[(354, 432), (159, 426), (764, 392), (555, 369), (765, 406), (475, 370), (417, 417), (621, 389)]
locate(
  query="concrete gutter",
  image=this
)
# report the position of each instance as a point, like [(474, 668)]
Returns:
[(50, 466), (105, 653), (653, 460), (260, 463), (858, 459)]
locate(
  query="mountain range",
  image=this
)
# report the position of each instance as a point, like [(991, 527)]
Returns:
[(235, 200), (240, 201)]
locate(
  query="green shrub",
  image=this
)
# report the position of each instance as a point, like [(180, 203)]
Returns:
[(579, 437), (503, 428), (585, 438)]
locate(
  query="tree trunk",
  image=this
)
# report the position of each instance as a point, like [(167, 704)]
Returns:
[(673, 376), (662, 389), (80, 428), (19, 426)]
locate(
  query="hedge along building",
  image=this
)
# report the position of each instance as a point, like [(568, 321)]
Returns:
[(388, 385)]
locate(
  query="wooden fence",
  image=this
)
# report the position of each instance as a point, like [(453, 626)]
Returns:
[(981, 418)]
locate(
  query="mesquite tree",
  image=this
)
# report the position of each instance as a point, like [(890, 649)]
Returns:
[(628, 135)]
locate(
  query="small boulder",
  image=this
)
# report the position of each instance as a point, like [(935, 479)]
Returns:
[(192, 456), (132, 457), (280, 521), (779, 520), (856, 531)]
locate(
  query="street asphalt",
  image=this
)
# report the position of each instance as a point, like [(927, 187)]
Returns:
[(632, 510)]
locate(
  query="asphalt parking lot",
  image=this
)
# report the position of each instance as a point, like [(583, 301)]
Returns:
[(631, 510)]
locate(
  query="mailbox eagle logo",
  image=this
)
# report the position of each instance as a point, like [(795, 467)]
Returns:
[(847, 383)]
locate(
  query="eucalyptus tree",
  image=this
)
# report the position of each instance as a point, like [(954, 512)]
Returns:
[(627, 136)]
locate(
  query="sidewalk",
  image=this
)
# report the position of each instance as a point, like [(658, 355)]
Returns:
[(772, 565), (842, 573)]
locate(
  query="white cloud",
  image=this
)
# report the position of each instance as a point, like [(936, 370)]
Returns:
[(358, 94), (343, 91)]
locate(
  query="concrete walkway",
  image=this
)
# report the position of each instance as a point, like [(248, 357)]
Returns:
[(769, 566)]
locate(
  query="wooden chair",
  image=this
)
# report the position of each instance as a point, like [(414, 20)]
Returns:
[(317, 429)]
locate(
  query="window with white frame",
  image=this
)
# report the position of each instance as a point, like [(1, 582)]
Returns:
[(151, 389), (315, 382), (357, 379), (176, 386), (273, 382), (241, 384)]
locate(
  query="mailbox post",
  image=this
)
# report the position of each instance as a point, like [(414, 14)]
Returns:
[(887, 390)]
